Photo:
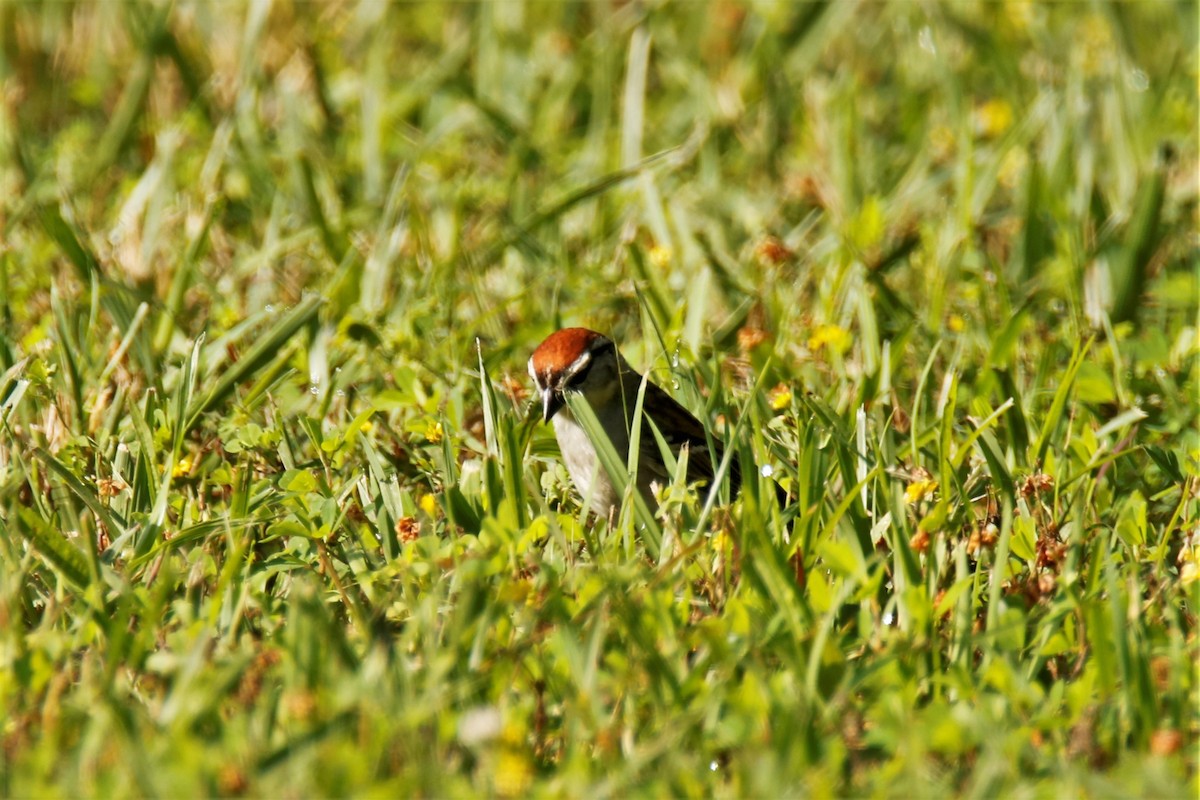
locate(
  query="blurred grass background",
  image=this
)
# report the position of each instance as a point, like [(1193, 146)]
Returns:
[(272, 523)]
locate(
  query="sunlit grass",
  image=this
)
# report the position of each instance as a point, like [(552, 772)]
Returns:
[(275, 518)]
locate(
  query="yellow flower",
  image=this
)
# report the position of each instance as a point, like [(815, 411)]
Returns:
[(919, 490), (428, 504), (956, 323), (720, 541), (182, 467), (434, 432), (660, 256), (834, 337), (513, 774), (781, 397), (993, 118), (1019, 14), (1094, 40), (367, 426)]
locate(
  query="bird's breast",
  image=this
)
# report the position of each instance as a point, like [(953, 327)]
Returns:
[(579, 455)]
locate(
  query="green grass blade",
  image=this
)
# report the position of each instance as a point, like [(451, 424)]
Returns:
[(614, 466), (106, 516), (1058, 406), (264, 350), (50, 544)]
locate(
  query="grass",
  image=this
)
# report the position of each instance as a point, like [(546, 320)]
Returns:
[(274, 520)]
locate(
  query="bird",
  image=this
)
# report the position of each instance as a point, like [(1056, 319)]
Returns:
[(582, 362)]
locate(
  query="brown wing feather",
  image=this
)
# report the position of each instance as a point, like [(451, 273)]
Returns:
[(679, 427)]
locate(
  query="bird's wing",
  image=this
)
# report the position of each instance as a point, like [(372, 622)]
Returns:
[(680, 428)]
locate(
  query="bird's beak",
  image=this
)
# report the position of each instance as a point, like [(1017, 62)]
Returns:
[(551, 403)]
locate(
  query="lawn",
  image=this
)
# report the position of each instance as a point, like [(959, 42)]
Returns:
[(276, 519)]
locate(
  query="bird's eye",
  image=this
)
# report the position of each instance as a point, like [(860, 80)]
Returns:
[(576, 380)]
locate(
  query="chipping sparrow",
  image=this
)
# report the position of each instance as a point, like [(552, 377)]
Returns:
[(587, 363)]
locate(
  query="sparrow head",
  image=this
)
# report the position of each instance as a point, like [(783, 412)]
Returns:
[(573, 360)]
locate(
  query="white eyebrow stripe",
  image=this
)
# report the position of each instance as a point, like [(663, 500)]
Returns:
[(533, 374), (579, 363)]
